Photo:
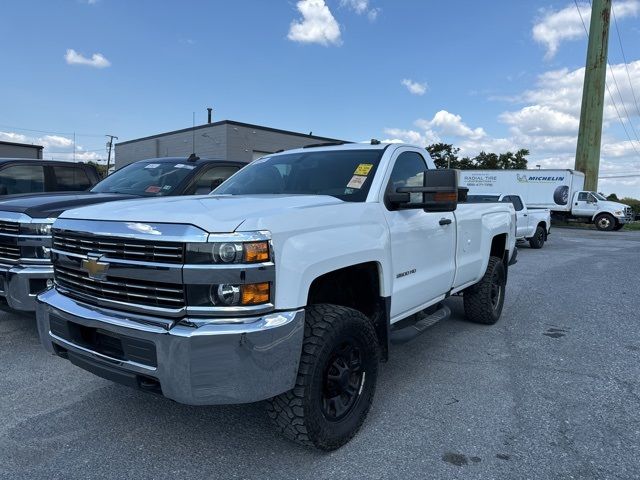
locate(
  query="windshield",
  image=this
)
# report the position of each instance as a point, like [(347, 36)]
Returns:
[(146, 179), (482, 198), (344, 174), (598, 196)]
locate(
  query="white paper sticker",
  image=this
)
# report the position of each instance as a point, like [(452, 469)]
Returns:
[(356, 181), (153, 165), (182, 165)]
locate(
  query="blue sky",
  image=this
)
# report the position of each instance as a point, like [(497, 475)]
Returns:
[(492, 75)]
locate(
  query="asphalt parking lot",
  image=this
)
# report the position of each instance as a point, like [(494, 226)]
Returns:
[(551, 391)]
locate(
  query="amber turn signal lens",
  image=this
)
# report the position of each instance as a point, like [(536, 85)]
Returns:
[(256, 252), (445, 197), (255, 293)]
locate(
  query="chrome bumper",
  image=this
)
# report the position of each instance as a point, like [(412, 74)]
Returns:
[(196, 365), (16, 285)]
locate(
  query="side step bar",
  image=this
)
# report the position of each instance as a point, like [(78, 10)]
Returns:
[(406, 334)]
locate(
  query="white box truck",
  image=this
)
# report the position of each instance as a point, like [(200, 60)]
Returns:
[(561, 191)]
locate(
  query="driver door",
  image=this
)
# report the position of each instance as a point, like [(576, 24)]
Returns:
[(585, 205), (422, 243)]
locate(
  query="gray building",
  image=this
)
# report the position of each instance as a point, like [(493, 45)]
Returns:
[(20, 150), (225, 139)]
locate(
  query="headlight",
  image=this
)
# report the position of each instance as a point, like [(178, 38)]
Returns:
[(35, 228), (228, 252), (228, 295)]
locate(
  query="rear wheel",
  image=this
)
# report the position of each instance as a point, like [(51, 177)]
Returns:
[(605, 222), (483, 301), (537, 241), (336, 379)]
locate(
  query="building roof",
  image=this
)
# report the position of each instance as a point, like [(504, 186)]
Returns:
[(237, 124), (14, 144)]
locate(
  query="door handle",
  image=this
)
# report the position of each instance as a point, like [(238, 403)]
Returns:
[(576, 204), (444, 221), (524, 215)]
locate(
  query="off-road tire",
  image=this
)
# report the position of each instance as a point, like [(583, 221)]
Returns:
[(605, 222), (480, 303), (539, 236), (299, 414)]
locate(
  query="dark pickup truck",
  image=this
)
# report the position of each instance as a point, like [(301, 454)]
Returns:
[(25, 220), (20, 175)]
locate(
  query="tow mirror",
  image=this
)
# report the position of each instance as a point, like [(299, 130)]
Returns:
[(439, 193)]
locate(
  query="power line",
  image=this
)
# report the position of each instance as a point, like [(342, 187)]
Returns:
[(613, 101), (624, 58), (52, 133)]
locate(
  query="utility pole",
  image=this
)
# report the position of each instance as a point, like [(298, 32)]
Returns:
[(595, 75), (110, 145)]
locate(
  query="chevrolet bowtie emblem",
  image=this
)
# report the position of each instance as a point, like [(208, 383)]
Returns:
[(94, 267)]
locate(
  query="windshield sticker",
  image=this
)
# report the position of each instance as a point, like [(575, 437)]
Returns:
[(363, 169), (356, 182), (152, 189), (167, 187), (182, 165), (153, 165)]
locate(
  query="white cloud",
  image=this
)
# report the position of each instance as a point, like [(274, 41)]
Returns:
[(450, 124), (555, 27), (541, 119), (362, 7), (14, 137), (97, 60), (317, 24), (416, 88), (53, 141), (413, 137)]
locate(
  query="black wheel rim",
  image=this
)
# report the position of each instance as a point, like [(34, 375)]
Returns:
[(496, 290), (343, 380), (540, 236)]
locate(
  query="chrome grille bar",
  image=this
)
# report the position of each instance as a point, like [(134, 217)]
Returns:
[(155, 294), (118, 248), (12, 228), (10, 253)]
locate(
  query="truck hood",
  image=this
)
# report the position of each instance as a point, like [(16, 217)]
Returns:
[(212, 213), (51, 205), (609, 205)]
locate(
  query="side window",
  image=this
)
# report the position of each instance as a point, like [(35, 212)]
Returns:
[(211, 179), (592, 199), (582, 196), (408, 171), (21, 179), (506, 199), (69, 179), (517, 203)]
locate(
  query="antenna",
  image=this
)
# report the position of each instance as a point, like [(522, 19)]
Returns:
[(193, 133)]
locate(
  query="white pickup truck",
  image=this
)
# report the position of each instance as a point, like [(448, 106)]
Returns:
[(287, 283), (532, 224)]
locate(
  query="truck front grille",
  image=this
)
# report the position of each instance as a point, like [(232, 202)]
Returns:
[(77, 283), (118, 248), (9, 253), (12, 228)]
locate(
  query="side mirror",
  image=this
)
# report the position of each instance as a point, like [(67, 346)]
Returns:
[(439, 193)]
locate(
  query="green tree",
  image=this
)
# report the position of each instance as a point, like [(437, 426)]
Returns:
[(613, 197), (444, 155), (102, 169)]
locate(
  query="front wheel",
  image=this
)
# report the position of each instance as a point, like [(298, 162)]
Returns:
[(605, 222), (483, 301), (336, 379), (537, 241)]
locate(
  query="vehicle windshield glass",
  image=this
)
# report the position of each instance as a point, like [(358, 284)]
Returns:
[(598, 196), (344, 174), (482, 198), (146, 179)]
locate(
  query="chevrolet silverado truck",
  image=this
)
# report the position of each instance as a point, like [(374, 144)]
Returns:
[(286, 284), (532, 224), (25, 220)]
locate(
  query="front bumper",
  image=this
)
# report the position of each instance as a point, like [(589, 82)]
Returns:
[(196, 365), (20, 285)]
